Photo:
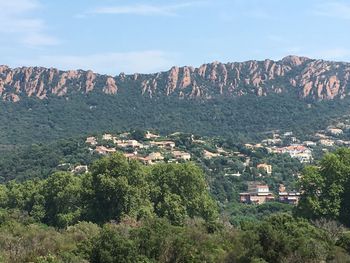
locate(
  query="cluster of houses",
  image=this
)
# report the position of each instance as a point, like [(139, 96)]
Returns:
[(300, 152), (156, 157), (164, 146), (295, 149), (155, 149), (258, 193), (332, 136)]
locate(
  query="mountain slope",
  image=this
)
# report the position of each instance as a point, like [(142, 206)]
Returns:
[(308, 78), (237, 100)]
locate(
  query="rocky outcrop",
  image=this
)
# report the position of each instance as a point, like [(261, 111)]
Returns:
[(323, 80), (110, 86), (309, 78), (42, 82)]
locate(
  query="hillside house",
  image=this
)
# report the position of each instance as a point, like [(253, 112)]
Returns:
[(326, 142), (130, 155), (275, 136), (209, 155), (335, 131), (266, 167), (321, 135), (152, 158), (91, 140), (291, 197), (198, 141), (304, 157), (107, 137), (309, 143), (288, 134), (294, 139), (300, 152), (342, 143), (129, 144), (104, 150), (163, 144), (257, 194), (150, 135), (124, 135), (253, 146), (272, 141), (222, 151), (249, 146), (80, 169), (180, 155)]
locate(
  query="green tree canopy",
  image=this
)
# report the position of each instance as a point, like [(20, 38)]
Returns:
[(326, 188), (180, 190), (115, 188)]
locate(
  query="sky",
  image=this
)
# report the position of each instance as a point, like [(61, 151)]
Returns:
[(113, 36)]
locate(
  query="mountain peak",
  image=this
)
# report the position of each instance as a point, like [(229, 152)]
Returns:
[(294, 60)]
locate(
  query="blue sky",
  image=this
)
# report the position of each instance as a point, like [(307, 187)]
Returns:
[(113, 36)]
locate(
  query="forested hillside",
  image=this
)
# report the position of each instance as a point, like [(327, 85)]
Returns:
[(239, 99), (32, 120)]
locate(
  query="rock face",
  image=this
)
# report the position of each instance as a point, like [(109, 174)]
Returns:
[(42, 82), (309, 78)]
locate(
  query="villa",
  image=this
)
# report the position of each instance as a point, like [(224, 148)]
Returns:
[(163, 144), (291, 197), (266, 167), (256, 194), (104, 150), (182, 155), (91, 140)]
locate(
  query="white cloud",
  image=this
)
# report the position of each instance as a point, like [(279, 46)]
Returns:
[(19, 23), (108, 63), (141, 9), (335, 9)]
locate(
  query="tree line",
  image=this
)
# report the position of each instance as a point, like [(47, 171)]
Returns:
[(123, 211)]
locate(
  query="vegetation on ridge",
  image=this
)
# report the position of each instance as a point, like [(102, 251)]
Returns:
[(33, 121)]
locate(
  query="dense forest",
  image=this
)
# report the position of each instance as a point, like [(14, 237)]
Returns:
[(123, 211), (42, 159), (31, 120)]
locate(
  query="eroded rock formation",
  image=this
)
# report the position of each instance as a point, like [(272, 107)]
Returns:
[(309, 78)]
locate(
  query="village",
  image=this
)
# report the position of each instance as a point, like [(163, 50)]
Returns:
[(153, 148)]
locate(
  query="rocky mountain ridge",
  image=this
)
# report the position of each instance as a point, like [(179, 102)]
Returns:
[(309, 78)]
